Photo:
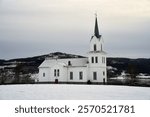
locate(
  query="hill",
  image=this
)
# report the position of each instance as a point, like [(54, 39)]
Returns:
[(118, 65), (30, 64), (115, 66)]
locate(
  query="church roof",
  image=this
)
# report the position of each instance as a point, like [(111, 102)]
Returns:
[(96, 29), (75, 62)]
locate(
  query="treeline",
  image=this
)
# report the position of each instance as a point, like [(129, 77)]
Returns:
[(24, 67)]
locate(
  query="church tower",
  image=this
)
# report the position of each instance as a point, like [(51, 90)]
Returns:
[(97, 57)]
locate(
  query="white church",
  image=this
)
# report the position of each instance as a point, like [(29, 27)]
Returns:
[(91, 69)]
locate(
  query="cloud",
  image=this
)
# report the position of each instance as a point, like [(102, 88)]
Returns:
[(29, 27)]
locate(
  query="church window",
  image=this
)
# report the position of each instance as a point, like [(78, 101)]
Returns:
[(92, 59), (43, 74), (94, 75), (71, 75), (80, 75), (54, 72), (57, 72), (96, 59), (69, 62), (103, 73), (95, 47)]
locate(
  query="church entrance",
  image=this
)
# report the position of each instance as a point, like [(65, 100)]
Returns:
[(56, 81), (103, 80)]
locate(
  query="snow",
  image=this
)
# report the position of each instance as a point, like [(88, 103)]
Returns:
[(69, 92), (111, 68), (148, 77), (143, 76), (11, 66), (34, 77), (118, 78)]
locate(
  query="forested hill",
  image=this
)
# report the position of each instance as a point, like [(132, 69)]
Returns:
[(114, 65), (30, 64), (117, 65)]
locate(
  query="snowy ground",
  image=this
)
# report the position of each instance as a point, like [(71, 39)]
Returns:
[(68, 92)]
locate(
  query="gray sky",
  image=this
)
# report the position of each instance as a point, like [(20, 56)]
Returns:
[(36, 27)]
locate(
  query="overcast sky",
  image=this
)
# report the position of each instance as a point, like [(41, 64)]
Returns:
[(36, 27)]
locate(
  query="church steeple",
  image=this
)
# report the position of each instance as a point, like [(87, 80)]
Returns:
[(96, 30)]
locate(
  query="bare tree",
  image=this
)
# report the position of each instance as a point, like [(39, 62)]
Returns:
[(17, 71), (2, 76), (133, 73)]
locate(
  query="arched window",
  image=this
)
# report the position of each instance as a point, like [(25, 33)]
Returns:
[(80, 75), (69, 62), (103, 73), (92, 60), (71, 75), (54, 72), (43, 74), (96, 59), (57, 72), (94, 75), (95, 48)]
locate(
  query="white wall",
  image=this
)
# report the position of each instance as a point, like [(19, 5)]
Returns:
[(47, 74), (100, 75), (98, 43), (99, 55), (62, 65), (76, 71), (100, 66), (62, 73)]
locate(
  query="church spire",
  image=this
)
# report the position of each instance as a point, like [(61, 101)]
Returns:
[(96, 31)]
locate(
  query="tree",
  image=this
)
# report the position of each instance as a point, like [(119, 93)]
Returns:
[(133, 73), (2, 76), (26, 78), (17, 71)]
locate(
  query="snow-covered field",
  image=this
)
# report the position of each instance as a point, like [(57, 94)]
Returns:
[(68, 92)]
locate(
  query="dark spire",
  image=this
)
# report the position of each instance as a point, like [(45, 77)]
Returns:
[(96, 31)]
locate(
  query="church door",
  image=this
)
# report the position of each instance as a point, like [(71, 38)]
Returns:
[(56, 81)]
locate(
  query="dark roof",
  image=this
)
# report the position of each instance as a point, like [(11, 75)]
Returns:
[(96, 30)]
